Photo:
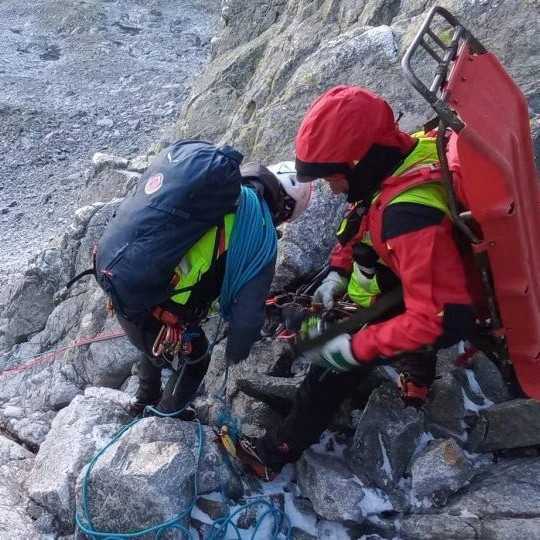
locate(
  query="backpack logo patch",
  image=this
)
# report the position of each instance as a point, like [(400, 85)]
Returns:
[(153, 184)]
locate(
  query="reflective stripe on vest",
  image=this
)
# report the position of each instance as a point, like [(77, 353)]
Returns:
[(198, 260)]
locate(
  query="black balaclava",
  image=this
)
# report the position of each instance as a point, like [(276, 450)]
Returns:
[(366, 176)]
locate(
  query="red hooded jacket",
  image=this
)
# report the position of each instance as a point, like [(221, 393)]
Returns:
[(340, 128)]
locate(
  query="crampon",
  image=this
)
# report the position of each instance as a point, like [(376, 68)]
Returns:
[(242, 452)]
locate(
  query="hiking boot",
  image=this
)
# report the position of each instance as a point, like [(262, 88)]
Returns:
[(414, 395), (247, 455), (273, 456)]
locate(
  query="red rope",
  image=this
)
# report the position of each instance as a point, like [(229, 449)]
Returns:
[(51, 355)]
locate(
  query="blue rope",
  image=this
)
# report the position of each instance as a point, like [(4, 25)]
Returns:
[(252, 246), (219, 527)]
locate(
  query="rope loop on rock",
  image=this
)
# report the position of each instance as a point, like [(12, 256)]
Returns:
[(220, 527)]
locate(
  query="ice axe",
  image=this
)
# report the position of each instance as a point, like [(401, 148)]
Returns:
[(381, 307)]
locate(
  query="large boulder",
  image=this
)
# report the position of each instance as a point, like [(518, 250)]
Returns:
[(387, 434), (76, 433), (31, 300), (511, 424), (511, 489), (489, 378), (15, 464), (298, 254), (334, 491), (510, 529), (265, 73), (445, 409), (438, 527), (278, 392), (267, 357), (151, 473), (440, 470)]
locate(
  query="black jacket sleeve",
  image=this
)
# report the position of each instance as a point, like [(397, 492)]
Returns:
[(247, 314)]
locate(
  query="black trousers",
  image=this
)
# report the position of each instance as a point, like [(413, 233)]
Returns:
[(321, 394), (183, 382)]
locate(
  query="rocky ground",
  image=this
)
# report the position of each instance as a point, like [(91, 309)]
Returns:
[(78, 78), (466, 465)]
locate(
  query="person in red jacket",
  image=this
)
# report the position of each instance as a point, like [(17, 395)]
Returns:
[(398, 231)]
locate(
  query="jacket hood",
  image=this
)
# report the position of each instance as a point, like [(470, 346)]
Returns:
[(340, 128)]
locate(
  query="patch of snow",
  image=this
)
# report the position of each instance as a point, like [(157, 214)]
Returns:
[(387, 468), (328, 439), (473, 407), (332, 530), (374, 502), (280, 483), (466, 514), (201, 516), (423, 503), (475, 387), (298, 519)]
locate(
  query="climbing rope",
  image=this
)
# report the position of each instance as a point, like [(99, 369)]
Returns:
[(49, 356), (221, 526), (253, 245)]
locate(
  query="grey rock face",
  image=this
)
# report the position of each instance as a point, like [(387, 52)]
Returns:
[(332, 488), (511, 489), (102, 160), (512, 424), (273, 390), (31, 301), (255, 416), (489, 379), (148, 476), (445, 409), (109, 363), (265, 357), (15, 464), (349, 42), (511, 529), (298, 254), (442, 527), (108, 181), (77, 432), (439, 471), (385, 439)]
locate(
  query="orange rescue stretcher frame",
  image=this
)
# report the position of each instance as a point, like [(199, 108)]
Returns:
[(476, 98)]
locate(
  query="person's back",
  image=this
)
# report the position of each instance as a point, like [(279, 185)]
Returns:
[(163, 282)]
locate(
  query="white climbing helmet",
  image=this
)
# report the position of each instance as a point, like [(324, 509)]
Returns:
[(300, 193)]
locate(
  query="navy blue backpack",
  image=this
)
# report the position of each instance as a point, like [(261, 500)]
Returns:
[(186, 190)]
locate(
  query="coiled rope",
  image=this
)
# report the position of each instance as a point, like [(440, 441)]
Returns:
[(221, 526), (253, 245)]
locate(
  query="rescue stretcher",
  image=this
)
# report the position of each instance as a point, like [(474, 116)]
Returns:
[(478, 101)]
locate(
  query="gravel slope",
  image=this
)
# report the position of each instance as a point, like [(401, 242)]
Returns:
[(77, 78)]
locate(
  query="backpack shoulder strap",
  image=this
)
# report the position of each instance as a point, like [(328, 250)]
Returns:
[(80, 276)]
